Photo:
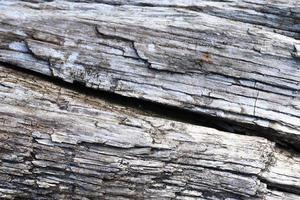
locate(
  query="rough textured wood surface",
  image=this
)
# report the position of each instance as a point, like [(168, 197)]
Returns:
[(57, 143), (234, 60), (237, 60)]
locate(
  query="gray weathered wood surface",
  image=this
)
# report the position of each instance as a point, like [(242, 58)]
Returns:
[(237, 60), (60, 144)]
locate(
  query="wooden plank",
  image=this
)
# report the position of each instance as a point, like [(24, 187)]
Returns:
[(236, 60), (60, 144)]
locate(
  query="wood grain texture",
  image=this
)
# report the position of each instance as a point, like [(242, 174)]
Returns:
[(57, 143), (236, 60)]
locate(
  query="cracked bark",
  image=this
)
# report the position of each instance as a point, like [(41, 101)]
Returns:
[(231, 65)]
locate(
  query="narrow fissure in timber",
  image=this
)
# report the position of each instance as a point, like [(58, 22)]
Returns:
[(176, 114), (167, 111)]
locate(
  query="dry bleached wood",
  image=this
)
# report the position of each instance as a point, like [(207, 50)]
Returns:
[(237, 60), (59, 144)]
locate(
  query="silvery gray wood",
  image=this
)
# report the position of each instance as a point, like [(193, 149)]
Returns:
[(57, 143), (236, 60)]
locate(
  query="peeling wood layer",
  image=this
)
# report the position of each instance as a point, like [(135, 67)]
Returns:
[(61, 144), (234, 60)]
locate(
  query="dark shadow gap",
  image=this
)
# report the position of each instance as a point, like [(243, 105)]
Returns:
[(170, 112), (176, 114), (283, 188)]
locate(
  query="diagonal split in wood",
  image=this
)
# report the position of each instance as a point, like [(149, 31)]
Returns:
[(95, 149)]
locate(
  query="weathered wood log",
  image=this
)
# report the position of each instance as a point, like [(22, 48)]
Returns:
[(57, 143), (237, 60), (231, 60)]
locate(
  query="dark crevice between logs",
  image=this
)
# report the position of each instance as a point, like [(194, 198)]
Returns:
[(283, 188), (171, 112), (176, 114)]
